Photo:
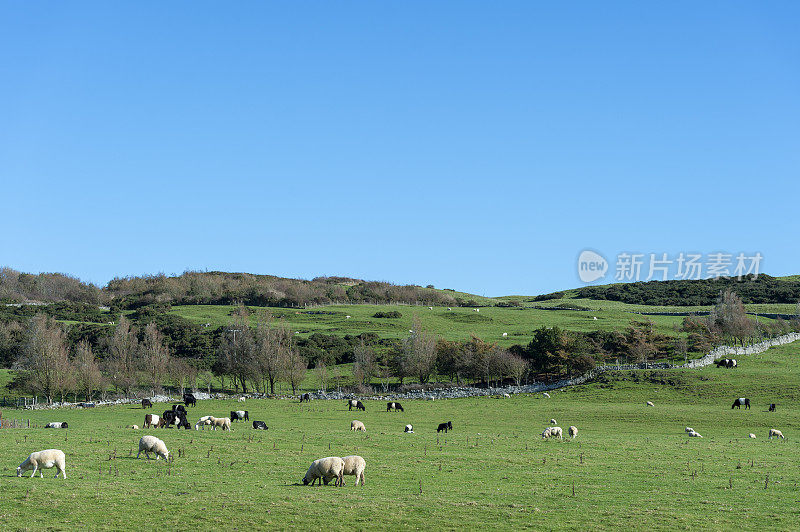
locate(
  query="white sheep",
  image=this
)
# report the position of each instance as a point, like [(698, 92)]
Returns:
[(688, 429), (134, 427), (430, 308), (506, 396), (752, 435), (552, 432), (222, 422), (776, 433), (347, 317), (477, 310), (242, 399), (354, 465), (152, 444), (694, 434), (203, 421), (44, 460), (505, 334), (325, 469), (573, 431), (56, 425), (409, 429), (553, 422), (546, 395), (650, 403), (357, 425)]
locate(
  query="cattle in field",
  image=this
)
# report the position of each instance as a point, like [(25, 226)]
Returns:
[(146, 403), (355, 403), (259, 425), (306, 397), (240, 415), (151, 420), (445, 426), (742, 401), (394, 406), (189, 399), (772, 407)]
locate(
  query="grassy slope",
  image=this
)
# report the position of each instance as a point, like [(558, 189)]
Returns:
[(630, 466)]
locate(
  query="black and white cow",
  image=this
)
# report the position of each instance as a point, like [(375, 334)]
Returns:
[(56, 425), (394, 406), (741, 401), (445, 426), (306, 397), (169, 417), (731, 363), (355, 403), (240, 415), (259, 425)]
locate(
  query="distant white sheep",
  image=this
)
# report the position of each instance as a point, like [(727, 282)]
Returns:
[(650, 403), (151, 444), (44, 460), (448, 308), (752, 435), (57, 425), (134, 427), (505, 334), (242, 399), (688, 429), (694, 434), (573, 431), (347, 317), (357, 425), (325, 469), (553, 422), (409, 429), (506, 396), (430, 308), (202, 422), (776, 433), (354, 465), (476, 309), (546, 395), (553, 432), (220, 422)]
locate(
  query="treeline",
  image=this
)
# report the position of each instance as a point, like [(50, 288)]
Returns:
[(761, 289), (47, 287)]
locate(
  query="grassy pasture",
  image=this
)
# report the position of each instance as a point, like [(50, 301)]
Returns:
[(631, 465)]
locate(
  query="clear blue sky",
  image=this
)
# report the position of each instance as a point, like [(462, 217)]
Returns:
[(471, 145)]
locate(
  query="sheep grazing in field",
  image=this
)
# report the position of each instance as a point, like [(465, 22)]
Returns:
[(260, 425), (650, 403), (354, 403), (202, 422), (325, 469), (134, 427), (445, 427), (688, 429), (240, 415), (776, 433), (753, 436), (57, 425), (506, 396), (394, 406), (242, 399), (146, 403), (732, 363), (694, 434), (151, 420), (573, 431), (553, 432), (409, 429), (505, 334), (553, 422), (357, 425), (151, 444), (430, 308), (354, 465), (44, 460), (220, 422), (347, 317), (546, 395), (742, 401)]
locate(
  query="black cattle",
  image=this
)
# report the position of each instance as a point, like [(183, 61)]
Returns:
[(259, 425), (445, 426), (146, 403), (772, 407), (354, 403), (86, 405), (394, 406), (731, 363), (181, 420), (179, 408), (169, 417), (741, 401), (305, 397), (722, 363), (189, 399), (240, 415)]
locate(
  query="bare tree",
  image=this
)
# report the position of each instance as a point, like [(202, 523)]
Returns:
[(272, 344), (155, 356), (365, 365), (124, 357), (45, 360), (89, 378), (420, 352), (294, 367), (322, 373)]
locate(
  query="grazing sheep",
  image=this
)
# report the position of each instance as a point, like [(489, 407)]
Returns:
[(151, 420), (394, 406), (44, 460), (650, 403), (776, 433), (240, 415), (553, 422), (354, 403), (506, 396), (694, 434), (354, 465), (505, 334), (325, 469), (56, 425), (552, 432), (688, 429), (753, 436), (134, 427), (732, 363), (203, 421), (430, 308), (242, 399), (222, 422), (260, 425), (150, 444), (445, 427), (573, 431), (357, 425), (146, 403), (409, 429), (546, 395), (347, 317)]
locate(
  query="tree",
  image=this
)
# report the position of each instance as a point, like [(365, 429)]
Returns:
[(516, 367), (321, 370), (45, 361), (124, 360), (419, 350), (89, 378), (156, 357), (640, 341), (365, 366), (730, 318), (294, 367), (272, 343), (238, 354)]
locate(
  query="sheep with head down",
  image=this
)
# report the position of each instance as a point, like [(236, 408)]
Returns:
[(776, 433), (325, 469), (151, 444), (44, 460), (573, 431), (553, 432), (357, 425), (354, 465)]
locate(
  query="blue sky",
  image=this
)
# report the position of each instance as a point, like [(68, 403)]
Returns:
[(470, 145)]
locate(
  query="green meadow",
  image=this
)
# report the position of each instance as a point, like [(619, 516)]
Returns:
[(630, 466)]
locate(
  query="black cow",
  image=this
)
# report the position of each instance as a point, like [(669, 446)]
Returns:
[(772, 407), (146, 403), (168, 418), (259, 425), (731, 363), (445, 426), (394, 406), (179, 408), (305, 397), (741, 401), (240, 415), (722, 363), (181, 420), (189, 399), (354, 403)]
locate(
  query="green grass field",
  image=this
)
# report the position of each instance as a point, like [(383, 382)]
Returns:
[(631, 465)]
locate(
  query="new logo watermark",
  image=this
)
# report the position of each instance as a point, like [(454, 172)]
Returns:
[(634, 267)]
